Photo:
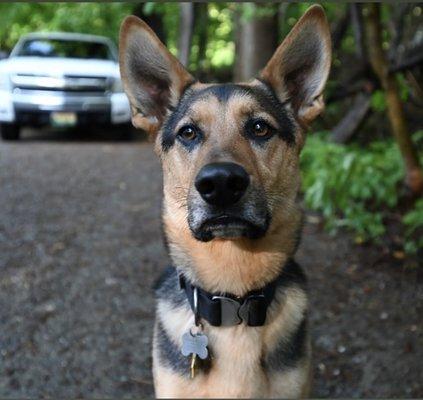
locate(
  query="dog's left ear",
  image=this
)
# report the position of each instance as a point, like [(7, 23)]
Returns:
[(299, 68), (152, 77)]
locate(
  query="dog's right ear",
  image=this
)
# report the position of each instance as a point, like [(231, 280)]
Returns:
[(152, 77)]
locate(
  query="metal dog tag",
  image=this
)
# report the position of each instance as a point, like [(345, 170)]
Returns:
[(195, 344)]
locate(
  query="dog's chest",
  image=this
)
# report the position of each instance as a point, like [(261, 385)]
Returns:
[(236, 361), (245, 361), (235, 367), (238, 368)]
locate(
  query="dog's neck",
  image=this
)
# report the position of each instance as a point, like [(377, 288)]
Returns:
[(232, 266)]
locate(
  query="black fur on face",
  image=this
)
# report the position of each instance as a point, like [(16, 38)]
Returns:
[(262, 93)]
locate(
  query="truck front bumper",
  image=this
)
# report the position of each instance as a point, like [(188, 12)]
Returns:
[(35, 107)]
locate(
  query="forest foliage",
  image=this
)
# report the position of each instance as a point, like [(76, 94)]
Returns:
[(355, 182)]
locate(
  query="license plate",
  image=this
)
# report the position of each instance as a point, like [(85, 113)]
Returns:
[(63, 118)]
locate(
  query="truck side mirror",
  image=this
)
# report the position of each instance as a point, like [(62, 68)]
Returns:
[(3, 54)]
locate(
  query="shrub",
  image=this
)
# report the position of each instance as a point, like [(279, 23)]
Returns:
[(353, 186), (413, 222)]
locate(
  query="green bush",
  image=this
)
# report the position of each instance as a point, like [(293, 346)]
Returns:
[(413, 222), (353, 186)]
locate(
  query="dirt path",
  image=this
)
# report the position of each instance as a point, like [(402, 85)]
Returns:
[(80, 245)]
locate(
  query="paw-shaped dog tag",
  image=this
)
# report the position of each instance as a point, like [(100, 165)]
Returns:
[(195, 344)]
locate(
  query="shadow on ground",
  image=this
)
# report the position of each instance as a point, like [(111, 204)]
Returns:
[(81, 134)]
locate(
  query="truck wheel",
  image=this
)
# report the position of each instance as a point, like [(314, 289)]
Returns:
[(9, 131), (125, 132)]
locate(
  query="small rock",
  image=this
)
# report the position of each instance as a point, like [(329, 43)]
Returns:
[(45, 311), (58, 246), (408, 347), (325, 342), (399, 255), (341, 349), (312, 219), (367, 289), (383, 315), (109, 281), (136, 207), (358, 359), (321, 367), (351, 269), (49, 307)]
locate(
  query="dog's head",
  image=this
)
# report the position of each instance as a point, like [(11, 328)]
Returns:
[(229, 152)]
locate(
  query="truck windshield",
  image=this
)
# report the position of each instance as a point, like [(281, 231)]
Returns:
[(66, 49)]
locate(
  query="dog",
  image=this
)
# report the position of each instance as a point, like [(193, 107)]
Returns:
[(231, 317)]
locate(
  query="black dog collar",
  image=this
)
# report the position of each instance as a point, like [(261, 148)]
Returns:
[(229, 310)]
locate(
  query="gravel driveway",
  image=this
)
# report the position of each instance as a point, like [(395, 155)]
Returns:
[(80, 246)]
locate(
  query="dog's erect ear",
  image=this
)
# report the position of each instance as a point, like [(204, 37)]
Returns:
[(152, 77), (299, 68)]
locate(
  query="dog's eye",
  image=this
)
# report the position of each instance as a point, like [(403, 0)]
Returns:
[(259, 129), (188, 133)]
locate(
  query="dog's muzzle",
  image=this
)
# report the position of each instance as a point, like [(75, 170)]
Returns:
[(225, 204)]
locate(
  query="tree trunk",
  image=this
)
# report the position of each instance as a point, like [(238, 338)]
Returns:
[(256, 40), (346, 128), (201, 32), (397, 25), (153, 20), (186, 29), (380, 65), (339, 29), (357, 24)]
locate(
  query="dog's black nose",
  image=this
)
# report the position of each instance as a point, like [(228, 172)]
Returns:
[(222, 184)]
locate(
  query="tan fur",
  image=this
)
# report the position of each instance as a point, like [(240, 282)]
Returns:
[(235, 265), (241, 346)]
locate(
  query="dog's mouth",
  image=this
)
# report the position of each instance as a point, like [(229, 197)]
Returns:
[(228, 227)]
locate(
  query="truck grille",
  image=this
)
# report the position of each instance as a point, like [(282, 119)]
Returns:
[(66, 83)]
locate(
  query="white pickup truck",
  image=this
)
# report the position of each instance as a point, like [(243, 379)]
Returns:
[(61, 79)]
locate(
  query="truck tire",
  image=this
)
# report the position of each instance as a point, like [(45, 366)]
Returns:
[(9, 131), (124, 132)]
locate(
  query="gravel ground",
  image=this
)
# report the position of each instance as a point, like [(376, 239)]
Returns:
[(80, 246)]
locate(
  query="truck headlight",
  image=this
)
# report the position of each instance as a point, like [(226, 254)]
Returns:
[(117, 86), (4, 82)]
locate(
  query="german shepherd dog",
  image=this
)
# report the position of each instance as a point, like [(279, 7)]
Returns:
[(231, 317)]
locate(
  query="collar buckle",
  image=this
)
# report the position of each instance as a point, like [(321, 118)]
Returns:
[(229, 310), (234, 312)]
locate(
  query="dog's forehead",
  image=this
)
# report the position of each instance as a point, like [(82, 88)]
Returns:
[(221, 91), (204, 100), (218, 95), (216, 102)]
